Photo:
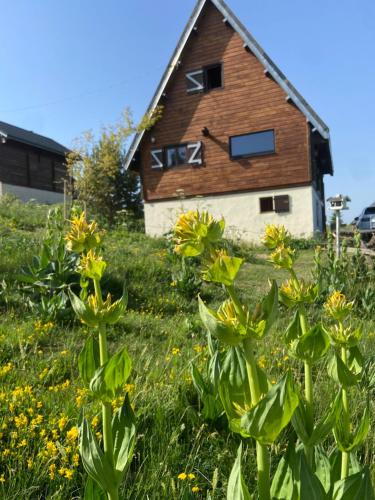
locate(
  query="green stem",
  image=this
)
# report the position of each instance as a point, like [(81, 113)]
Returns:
[(309, 394), (345, 415), (263, 461), (106, 406)]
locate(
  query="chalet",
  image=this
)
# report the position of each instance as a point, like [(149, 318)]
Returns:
[(31, 166), (235, 136)]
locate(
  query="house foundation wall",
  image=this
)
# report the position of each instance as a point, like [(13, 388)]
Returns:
[(241, 212), (27, 194)]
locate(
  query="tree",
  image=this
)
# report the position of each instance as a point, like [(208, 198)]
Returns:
[(96, 167)]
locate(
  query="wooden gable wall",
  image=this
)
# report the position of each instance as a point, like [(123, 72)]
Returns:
[(24, 165), (248, 102)]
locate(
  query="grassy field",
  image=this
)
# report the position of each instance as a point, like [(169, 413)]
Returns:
[(41, 395)]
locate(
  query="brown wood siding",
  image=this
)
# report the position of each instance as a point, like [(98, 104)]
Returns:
[(23, 165), (248, 102)]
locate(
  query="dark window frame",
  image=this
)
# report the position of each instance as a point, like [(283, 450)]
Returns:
[(250, 155)]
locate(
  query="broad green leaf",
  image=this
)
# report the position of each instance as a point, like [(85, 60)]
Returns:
[(94, 460), (321, 429), (83, 313), (322, 468), (111, 377), (224, 270), (270, 306), (93, 490), (355, 487), (234, 386), (339, 372), (335, 463), (123, 433), (265, 421), (355, 360), (310, 488), (283, 485), (214, 368), (212, 407), (237, 489), (312, 346), (89, 360), (349, 441), (293, 330)]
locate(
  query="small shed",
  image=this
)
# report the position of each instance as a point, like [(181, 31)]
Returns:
[(32, 166)]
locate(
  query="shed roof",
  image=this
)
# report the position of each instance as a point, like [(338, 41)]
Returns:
[(31, 138), (252, 45)]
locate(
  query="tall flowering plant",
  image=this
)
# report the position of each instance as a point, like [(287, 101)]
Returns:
[(104, 375), (345, 367), (311, 343), (254, 407)]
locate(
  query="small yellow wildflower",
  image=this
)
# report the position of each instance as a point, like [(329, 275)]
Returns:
[(62, 422), (72, 434), (52, 471), (182, 476), (191, 476), (195, 489)]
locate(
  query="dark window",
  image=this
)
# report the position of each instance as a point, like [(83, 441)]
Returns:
[(266, 204), (370, 211), (281, 203), (213, 77), (257, 143), (176, 155)]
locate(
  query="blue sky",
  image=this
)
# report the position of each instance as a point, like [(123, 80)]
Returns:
[(69, 66)]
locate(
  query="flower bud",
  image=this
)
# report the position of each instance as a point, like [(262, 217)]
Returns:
[(196, 232), (337, 306), (283, 257), (275, 236), (82, 236)]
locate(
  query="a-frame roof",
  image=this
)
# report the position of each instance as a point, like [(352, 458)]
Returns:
[(253, 46)]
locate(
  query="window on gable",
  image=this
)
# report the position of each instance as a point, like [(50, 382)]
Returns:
[(176, 155), (256, 143), (203, 79), (213, 77)]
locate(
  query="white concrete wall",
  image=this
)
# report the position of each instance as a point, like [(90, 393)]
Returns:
[(27, 193), (241, 212)]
